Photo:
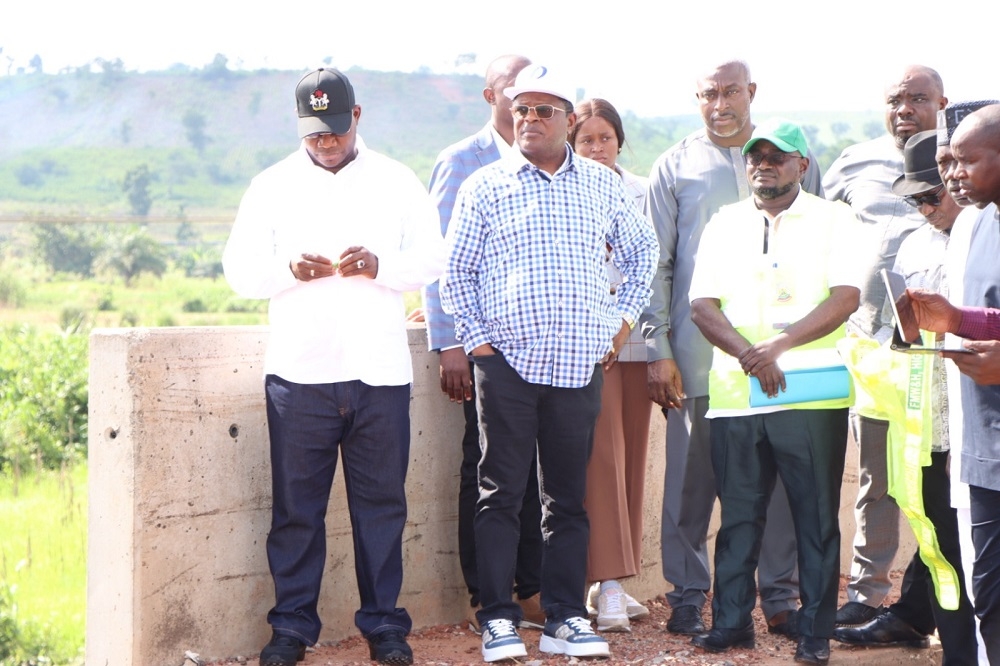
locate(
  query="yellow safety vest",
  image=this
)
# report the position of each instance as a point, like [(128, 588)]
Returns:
[(758, 307), (896, 387)]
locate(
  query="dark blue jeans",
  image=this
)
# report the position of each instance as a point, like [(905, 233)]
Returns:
[(527, 573), (308, 424), (514, 416)]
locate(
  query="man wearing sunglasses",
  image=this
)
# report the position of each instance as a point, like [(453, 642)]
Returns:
[(453, 166), (911, 619), (773, 286), (532, 304), (862, 177)]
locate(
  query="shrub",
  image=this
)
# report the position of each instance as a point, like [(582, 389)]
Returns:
[(13, 290), (72, 319), (106, 303), (43, 398), (237, 304), (22, 643)]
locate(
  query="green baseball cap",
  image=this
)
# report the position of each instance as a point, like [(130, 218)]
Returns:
[(787, 136)]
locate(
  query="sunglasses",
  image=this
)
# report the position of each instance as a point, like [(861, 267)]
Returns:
[(775, 159), (543, 111), (932, 198)]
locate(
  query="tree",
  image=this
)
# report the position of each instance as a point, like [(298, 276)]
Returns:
[(812, 134), (218, 68), (131, 252), (36, 63), (194, 129), (873, 129), (840, 128), (69, 248), (136, 188), (112, 71)]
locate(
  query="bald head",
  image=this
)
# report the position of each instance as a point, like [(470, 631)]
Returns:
[(724, 94), (505, 68), (975, 148), (738, 67), (911, 71), (500, 74), (912, 103)]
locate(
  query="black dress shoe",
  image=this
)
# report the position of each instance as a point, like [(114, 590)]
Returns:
[(686, 620), (720, 640), (812, 650), (855, 613), (389, 647), (886, 630), (282, 651), (785, 623)]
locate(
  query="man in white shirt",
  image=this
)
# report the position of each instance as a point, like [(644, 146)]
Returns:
[(333, 235)]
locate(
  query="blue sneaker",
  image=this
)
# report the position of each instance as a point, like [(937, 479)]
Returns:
[(500, 641), (574, 637)]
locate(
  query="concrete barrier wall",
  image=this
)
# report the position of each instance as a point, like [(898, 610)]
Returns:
[(180, 497)]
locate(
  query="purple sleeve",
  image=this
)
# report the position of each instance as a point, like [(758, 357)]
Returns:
[(980, 324)]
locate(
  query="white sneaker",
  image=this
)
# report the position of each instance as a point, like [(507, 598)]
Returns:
[(500, 641), (574, 637), (634, 609), (611, 615), (592, 594)]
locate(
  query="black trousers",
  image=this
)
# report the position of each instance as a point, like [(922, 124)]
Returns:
[(985, 510), (918, 604), (806, 449), (527, 572), (518, 420)]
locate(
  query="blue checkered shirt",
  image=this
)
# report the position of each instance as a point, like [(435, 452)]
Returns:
[(526, 268)]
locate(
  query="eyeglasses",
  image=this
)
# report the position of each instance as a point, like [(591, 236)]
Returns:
[(775, 159), (932, 198), (543, 111)]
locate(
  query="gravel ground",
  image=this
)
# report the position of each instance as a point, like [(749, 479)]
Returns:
[(648, 643)]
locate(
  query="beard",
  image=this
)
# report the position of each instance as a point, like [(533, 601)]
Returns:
[(774, 192)]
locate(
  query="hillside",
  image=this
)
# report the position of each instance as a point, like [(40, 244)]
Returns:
[(68, 141)]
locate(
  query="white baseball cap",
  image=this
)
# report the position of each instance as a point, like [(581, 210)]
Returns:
[(539, 79)]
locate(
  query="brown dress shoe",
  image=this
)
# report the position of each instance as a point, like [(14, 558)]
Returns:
[(533, 615)]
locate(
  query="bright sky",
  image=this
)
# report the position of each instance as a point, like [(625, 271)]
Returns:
[(641, 55)]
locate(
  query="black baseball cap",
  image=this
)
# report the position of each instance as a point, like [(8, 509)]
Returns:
[(325, 100)]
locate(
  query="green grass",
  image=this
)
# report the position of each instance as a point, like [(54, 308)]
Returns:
[(43, 554), (173, 300)]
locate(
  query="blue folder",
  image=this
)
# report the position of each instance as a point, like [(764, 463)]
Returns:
[(805, 385)]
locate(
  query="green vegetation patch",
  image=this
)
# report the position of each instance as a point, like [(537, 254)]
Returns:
[(43, 566)]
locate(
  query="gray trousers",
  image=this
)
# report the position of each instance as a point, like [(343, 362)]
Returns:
[(688, 499), (876, 514)]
